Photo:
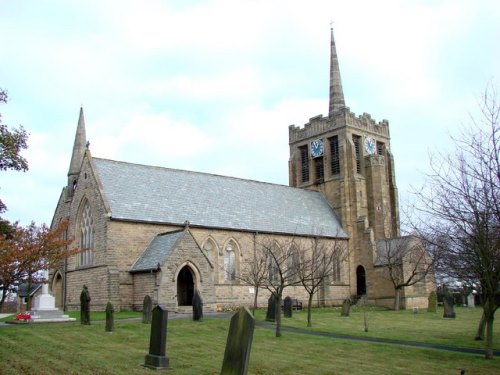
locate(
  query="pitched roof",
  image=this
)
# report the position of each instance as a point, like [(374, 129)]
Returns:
[(153, 194), (157, 251), (392, 250)]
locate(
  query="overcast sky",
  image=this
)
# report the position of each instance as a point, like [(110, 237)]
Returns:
[(212, 86)]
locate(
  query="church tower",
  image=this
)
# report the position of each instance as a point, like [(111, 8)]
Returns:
[(79, 147), (348, 159)]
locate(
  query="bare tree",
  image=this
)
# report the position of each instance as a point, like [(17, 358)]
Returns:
[(279, 274), (407, 262), (460, 205), (316, 264)]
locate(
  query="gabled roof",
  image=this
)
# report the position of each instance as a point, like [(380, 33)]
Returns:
[(393, 249), (157, 251), (153, 194)]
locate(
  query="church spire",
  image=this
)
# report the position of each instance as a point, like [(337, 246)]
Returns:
[(336, 92), (78, 147)]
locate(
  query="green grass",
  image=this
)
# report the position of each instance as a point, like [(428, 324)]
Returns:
[(198, 347)]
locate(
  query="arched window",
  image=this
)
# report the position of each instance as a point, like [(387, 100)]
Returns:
[(293, 259), (210, 249), (272, 265), (230, 261), (86, 236)]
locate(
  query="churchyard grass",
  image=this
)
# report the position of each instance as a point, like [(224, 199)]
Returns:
[(198, 348)]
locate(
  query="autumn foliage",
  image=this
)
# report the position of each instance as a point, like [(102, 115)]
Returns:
[(29, 250)]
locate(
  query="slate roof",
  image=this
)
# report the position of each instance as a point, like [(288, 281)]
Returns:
[(392, 248), (157, 251), (153, 194)]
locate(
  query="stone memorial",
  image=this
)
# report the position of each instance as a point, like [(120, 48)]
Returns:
[(239, 343), (432, 302), (271, 309), (346, 307), (147, 307), (85, 306), (470, 301), (110, 320), (157, 359), (197, 306), (287, 307), (448, 302)]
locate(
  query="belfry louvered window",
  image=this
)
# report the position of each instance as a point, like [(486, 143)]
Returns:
[(304, 163), (334, 155), (356, 139), (86, 236)]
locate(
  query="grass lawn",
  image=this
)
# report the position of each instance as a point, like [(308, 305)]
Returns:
[(198, 347)]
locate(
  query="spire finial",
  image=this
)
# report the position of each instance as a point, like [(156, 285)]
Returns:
[(79, 146), (336, 93)]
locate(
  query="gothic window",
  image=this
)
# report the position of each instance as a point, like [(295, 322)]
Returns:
[(230, 261), (210, 249), (336, 276), (356, 139), (334, 155), (293, 263), (304, 163), (86, 236), (319, 168), (380, 148), (272, 266)]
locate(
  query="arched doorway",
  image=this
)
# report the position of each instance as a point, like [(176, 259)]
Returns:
[(57, 290), (185, 287), (360, 280)]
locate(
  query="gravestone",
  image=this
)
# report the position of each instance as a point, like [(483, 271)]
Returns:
[(157, 359), (85, 306), (197, 306), (470, 300), (448, 303), (432, 302), (271, 308), (346, 307), (110, 321), (287, 307), (239, 343), (147, 307)]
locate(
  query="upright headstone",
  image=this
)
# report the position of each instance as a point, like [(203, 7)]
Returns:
[(197, 306), (271, 308), (287, 307), (448, 303), (432, 302), (157, 359), (346, 307), (85, 306), (147, 307), (110, 321), (470, 300), (239, 343)]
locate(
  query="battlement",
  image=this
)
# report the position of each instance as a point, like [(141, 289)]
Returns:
[(319, 124)]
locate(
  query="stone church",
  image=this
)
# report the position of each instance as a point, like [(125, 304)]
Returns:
[(148, 230)]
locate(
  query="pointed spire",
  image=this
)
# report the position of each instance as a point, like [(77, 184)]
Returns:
[(78, 147), (336, 92)]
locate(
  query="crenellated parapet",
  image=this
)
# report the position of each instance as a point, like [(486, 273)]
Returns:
[(342, 118)]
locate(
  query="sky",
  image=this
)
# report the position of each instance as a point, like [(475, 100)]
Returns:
[(212, 86)]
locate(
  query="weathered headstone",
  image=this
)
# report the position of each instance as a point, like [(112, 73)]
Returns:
[(85, 306), (157, 359), (147, 307), (470, 300), (110, 321), (271, 308), (197, 306), (239, 343), (432, 302), (287, 307), (448, 303), (346, 307)]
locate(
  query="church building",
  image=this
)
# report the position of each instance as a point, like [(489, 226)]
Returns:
[(148, 230)]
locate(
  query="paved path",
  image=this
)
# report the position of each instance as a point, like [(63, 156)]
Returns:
[(377, 340)]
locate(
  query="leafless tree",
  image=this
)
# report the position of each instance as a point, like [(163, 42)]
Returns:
[(460, 205), (407, 262), (315, 263)]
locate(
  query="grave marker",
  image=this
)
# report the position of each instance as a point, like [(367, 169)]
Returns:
[(85, 306), (197, 306), (110, 321), (147, 306), (157, 359), (287, 307), (346, 307), (271, 309), (239, 343)]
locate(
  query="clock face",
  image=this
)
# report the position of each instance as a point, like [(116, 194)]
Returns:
[(317, 148), (370, 145)]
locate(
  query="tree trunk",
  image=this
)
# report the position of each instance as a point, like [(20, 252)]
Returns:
[(278, 315), (397, 298), (255, 301), (480, 328), (4, 295), (488, 352), (309, 303)]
